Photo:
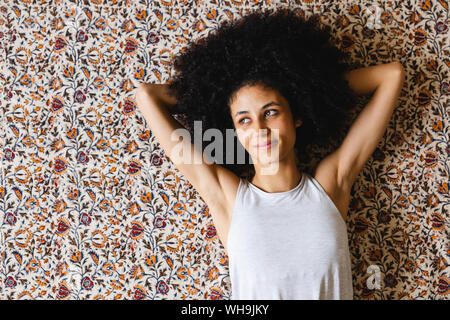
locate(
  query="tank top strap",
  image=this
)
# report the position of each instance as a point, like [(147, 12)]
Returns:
[(238, 202), (242, 187)]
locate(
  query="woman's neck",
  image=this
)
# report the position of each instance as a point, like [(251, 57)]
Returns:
[(287, 176)]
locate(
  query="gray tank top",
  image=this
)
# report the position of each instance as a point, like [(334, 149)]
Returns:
[(288, 245)]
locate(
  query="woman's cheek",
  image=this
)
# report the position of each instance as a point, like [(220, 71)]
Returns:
[(244, 136)]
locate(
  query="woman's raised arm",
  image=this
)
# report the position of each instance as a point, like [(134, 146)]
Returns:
[(211, 180)]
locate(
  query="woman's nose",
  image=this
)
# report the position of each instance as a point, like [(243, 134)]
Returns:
[(261, 132), (261, 128)]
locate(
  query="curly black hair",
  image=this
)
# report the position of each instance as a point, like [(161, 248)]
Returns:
[(278, 49)]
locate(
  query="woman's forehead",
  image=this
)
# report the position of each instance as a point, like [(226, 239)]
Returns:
[(255, 96)]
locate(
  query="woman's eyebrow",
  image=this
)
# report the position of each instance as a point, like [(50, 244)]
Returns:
[(262, 108)]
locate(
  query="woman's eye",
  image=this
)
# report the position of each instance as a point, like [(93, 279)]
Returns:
[(275, 111), (265, 113), (241, 121)]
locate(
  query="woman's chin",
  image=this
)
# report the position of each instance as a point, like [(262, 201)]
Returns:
[(266, 159)]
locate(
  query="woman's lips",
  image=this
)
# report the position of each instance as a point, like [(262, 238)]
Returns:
[(266, 145)]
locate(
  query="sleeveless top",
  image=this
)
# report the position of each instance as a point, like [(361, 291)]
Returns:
[(288, 245)]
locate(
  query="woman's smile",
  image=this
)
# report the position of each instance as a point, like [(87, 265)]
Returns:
[(266, 145)]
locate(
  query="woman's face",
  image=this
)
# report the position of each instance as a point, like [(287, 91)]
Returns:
[(261, 116)]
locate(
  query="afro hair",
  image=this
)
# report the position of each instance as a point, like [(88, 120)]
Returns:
[(278, 50)]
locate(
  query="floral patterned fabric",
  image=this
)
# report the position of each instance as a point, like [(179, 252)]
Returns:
[(91, 208)]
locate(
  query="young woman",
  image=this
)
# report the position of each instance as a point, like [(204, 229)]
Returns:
[(280, 83)]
